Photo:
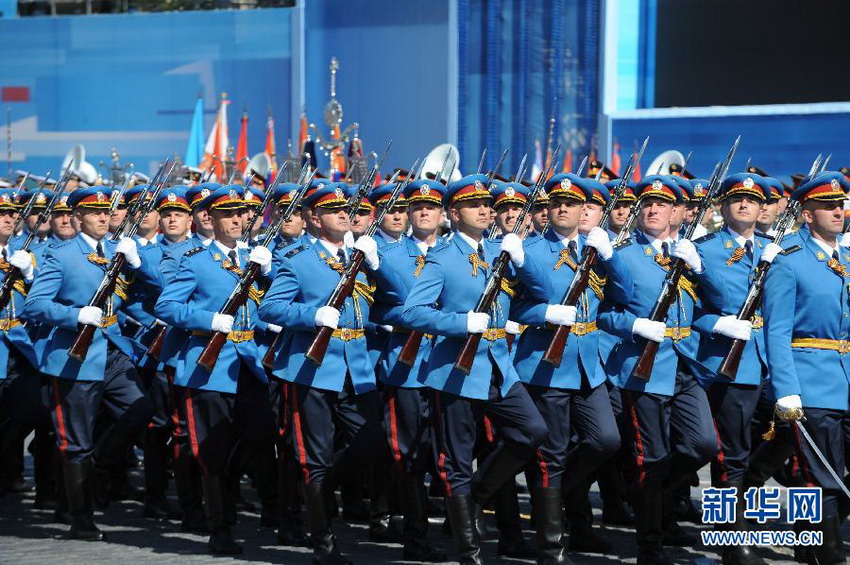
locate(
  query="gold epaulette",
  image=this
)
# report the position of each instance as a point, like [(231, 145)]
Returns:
[(509, 287), (256, 295), (597, 284), (122, 285), (365, 291)]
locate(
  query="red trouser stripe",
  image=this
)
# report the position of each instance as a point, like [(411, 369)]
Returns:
[(638, 439), (441, 461), (394, 429), (544, 469), (193, 435), (721, 460), (60, 419), (175, 415), (299, 438)]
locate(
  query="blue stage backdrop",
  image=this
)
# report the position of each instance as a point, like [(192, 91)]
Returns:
[(516, 59), (130, 81)]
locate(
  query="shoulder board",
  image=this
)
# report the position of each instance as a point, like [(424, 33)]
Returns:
[(790, 250), (61, 244), (706, 237), (764, 235), (623, 244), (194, 251), (295, 251), (440, 246)]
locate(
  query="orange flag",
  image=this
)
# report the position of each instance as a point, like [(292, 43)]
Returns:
[(302, 133), (270, 150), (242, 145), (568, 161), (215, 151), (615, 159)]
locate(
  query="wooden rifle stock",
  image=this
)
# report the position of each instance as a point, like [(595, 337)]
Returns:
[(239, 296), (646, 361), (155, 348), (80, 348), (317, 350), (268, 358), (555, 352), (729, 366), (410, 349)]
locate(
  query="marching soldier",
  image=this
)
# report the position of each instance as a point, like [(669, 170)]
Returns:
[(107, 379), (229, 404), (441, 303), (807, 318), (620, 213), (572, 397), (394, 224), (591, 212), (669, 429), (337, 397), (735, 251)]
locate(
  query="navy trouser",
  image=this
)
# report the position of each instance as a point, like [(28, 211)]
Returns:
[(159, 393), (20, 395), (75, 406), (217, 421), (732, 407), (406, 425), (588, 413), (455, 426), (826, 427), (318, 417), (669, 437)]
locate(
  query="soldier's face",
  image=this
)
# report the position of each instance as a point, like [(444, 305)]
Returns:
[(825, 218), (539, 217), (62, 226), (293, 227), (310, 224), (691, 213), (174, 223), (202, 220), (741, 210), (655, 216), (395, 221), (564, 213), (249, 215), (362, 220), (424, 216), (619, 215), (781, 205), (94, 222), (332, 223), (150, 221), (7, 223), (591, 213), (471, 215), (228, 224), (116, 218), (506, 216), (768, 213), (677, 215)]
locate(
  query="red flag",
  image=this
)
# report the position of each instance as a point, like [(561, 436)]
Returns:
[(270, 150), (302, 133), (615, 159), (568, 161), (337, 172), (242, 145), (215, 151), (636, 174)]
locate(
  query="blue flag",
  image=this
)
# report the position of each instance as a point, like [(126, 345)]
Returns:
[(195, 147)]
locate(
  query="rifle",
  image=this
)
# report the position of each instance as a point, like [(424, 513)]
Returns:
[(146, 202), (643, 367), (729, 366), (554, 353), (27, 210), (344, 288), (239, 296), (14, 274), (246, 233), (466, 357)]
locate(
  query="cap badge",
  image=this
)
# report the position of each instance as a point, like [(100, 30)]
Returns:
[(748, 182), (698, 189), (232, 194), (100, 196), (835, 184), (425, 190), (320, 186), (656, 185), (338, 193), (172, 197), (510, 192), (40, 198), (205, 192), (566, 184), (479, 186)]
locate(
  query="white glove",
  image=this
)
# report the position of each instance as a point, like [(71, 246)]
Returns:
[(477, 322), (771, 250), (348, 239), (687, 252), (731, 326), (512, 327), (22, 260), (222, 323), (599, 240), (274, 328), (653, 331), (127, 247), (369, 247), (512, 245), (789, 407), (560, 315), (90, 316), (327, 316), (387, 328), (242, 244), (263, 257)]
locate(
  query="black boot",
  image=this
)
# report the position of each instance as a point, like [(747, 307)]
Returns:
[(674, 534), (583, 538), (493, 472), (461, 513), (739, 554), (416, 545), (832, 548), (187, 481), (42, 449), (511, 541), (379, 505), (61, 515), (156, 474), (78, 485), (267, 485), (221, 539), (325, 550), (549, 523), (290, 531), (615, 511), (649, 513)]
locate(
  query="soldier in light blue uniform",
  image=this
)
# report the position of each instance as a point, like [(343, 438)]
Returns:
[(59, 298), (620, 213), (338, 397), (807, 320), (572, 397), (394, 225), (229, 404), (442, 303), (734, 251), (42, 238), (667, 420)]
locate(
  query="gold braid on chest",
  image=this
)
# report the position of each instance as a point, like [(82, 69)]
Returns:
[(253, 293), (684, 283), (420, 264), (737, 255), (477, 263), (837, 267), (564, 258)]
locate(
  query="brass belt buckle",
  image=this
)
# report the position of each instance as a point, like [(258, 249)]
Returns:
[(676, 334), (843, 347)]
